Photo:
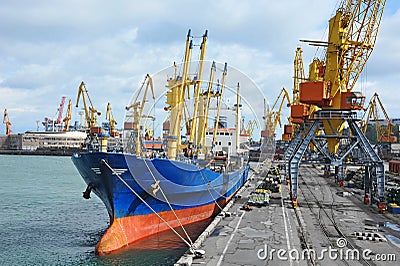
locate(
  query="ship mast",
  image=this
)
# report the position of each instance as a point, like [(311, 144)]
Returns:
[(175, 100), (220, 94), (237, 105), (197, 85)]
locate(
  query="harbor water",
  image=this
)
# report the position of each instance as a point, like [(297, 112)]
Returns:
[(46, 221)]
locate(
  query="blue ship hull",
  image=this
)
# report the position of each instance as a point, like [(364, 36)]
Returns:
[(138, 191)]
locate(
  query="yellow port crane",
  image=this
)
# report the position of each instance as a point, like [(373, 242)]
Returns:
[(251, 125), (111, 120), (7, 122), (383, 132), (91, 113), (272, 116), (68, 116), (352, 36), (138, 108)]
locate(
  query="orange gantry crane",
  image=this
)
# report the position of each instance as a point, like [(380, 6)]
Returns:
[(329, 86)]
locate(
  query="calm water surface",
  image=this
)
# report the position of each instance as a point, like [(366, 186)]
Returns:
[(45, 221)]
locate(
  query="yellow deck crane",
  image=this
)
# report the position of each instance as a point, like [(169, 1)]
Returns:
[(68, 116), (352, 35), (203, 111), (111, 120), (273, 115), (219, 94), (384, 132), (7, 122), (91, 113), (137, 115)]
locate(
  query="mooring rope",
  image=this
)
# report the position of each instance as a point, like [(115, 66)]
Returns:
[(169, 204), (139, 197), (208, 185)]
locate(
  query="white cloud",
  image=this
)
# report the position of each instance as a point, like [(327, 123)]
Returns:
[(48, 47)]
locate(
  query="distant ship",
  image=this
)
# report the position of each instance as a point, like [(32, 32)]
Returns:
[(146, 192)]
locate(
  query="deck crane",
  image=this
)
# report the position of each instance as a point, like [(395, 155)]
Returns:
[(203, 111), (219, 94), (68, 116), (7, 122), (111, 120), (351, 39), (197, 88), (137, 114), (91, 113), (273, 115), (384, 132)]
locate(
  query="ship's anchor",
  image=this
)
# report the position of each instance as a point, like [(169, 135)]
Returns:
[(86, 193)]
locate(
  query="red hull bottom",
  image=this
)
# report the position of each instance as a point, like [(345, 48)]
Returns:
[(124, 231)]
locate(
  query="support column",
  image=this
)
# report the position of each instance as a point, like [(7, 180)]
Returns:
[(367, 185)]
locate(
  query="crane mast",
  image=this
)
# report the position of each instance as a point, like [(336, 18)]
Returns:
[(175, 100), (203, 110), (220, 95), (197, 84)]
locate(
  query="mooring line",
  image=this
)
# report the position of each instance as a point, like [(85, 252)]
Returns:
[(139, 197)]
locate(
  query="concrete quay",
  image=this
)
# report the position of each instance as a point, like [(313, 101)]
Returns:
[(330, 226)]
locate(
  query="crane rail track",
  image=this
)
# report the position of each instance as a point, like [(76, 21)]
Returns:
[(319, 203)]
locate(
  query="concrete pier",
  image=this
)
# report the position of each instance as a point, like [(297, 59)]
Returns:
[(330, 226)]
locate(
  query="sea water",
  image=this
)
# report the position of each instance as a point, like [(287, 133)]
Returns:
[(44, 219)]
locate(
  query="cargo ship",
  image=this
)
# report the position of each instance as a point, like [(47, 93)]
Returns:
[(191, 180)]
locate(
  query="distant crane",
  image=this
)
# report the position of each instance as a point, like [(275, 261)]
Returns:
[(138, 108), (111, 120), (273, 117), (50, 123), (68, 116), (7, 122), (91, 113), (384, 133)]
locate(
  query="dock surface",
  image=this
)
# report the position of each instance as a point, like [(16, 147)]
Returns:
[(330, 221)]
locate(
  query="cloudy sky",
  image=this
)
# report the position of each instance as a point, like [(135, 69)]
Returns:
[(48, 47)]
